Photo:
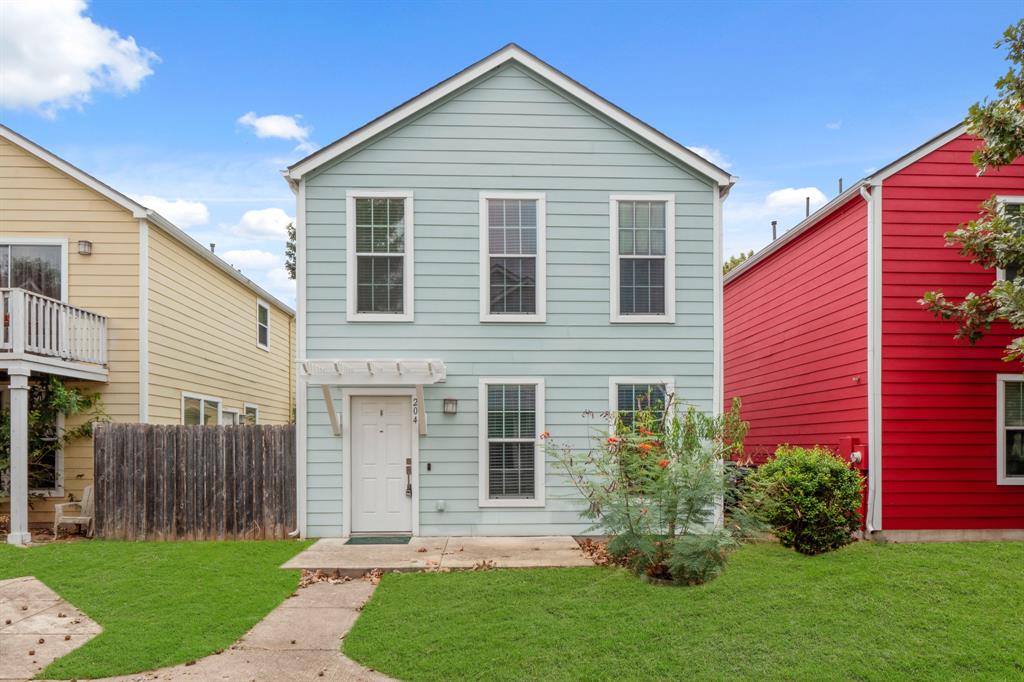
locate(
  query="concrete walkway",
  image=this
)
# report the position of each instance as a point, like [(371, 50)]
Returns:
[(299, 640), (454, 553), (37, 627)]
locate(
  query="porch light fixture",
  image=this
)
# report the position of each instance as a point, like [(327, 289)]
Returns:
[(84, 247), (451, 406)]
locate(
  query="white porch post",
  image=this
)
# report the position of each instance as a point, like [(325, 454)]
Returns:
[(19, 534)]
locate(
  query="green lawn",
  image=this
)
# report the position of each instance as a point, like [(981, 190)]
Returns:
[(867, 612), (159, 603)]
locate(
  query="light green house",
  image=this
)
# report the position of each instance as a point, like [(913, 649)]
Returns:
[(486, 262)]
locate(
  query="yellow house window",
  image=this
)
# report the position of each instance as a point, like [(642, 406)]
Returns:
[(262, 325)]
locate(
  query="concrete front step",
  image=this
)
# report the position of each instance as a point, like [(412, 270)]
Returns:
[(333, 555)]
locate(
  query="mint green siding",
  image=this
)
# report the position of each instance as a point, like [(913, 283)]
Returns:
[(507, 132)]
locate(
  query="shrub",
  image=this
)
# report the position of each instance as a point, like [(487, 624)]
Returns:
[(657, 485), (809, 496)]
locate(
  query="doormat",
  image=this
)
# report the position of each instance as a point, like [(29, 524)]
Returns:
[(379, 540)]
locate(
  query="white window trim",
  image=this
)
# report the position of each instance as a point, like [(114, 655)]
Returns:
[(485, 258), (260, 303), (205, 398), (614, 382), (38, 241), (409, 286), (247, 406), (670, 259), (1001, 477), (539, 461), (1002, 200)]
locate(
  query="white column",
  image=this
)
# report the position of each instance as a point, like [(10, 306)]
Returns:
[(19, 534)]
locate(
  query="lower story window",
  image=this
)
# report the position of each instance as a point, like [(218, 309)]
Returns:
[(512, 462), (1010, 439), (252, 415), (200, 411), (629, 395)]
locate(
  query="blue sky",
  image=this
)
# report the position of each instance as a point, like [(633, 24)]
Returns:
[(153, 97)]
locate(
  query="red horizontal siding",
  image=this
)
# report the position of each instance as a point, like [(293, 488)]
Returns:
[(939, 395), (795, 339)]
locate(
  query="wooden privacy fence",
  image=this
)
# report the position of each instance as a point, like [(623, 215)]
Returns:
[(156, 482)]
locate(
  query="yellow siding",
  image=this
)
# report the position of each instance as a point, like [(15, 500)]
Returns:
[(36, 200), (202, 338)]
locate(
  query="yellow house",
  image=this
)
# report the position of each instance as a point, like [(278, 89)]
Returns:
[(114, 299)]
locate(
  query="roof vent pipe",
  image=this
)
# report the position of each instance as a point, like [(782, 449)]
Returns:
[(807, 206), (213, 247), (840, 185), (774, 223)]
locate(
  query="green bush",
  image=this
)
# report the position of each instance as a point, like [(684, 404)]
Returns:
[(810, 497)]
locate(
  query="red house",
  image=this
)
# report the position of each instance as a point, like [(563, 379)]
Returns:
[(826, 344)]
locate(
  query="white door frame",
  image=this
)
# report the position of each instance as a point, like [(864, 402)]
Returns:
[(346, 453)]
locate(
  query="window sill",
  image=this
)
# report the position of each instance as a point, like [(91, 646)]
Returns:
[(1010, 480), (372, 317), (511, 503), (643, 319), (523, 319)]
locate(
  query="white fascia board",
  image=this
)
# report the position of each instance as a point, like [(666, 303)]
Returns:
[(510, 53)]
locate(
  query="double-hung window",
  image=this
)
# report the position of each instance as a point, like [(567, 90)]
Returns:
[(643, 258), (379, 237), (1010, 429), (512, 267), (262, 325), (1012, 208), (197, 410), (511, 451), (629, 395)]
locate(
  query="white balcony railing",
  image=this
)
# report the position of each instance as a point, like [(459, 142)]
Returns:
[(38, 325)]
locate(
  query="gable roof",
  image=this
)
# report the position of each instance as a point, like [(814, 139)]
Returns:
[(138, 211), (511, 53), (940, 140)]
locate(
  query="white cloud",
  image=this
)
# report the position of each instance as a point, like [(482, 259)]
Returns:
[(747, 217), (834, 125), (279, 126), (263, 223), (784, 200), (278, 283), (252, 259), (181, 212), (713, 155), (53, 57)]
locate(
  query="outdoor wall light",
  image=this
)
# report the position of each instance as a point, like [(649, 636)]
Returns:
[(451, 406), (84, 247)]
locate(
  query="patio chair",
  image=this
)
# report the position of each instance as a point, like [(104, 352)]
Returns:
[(79, 513)]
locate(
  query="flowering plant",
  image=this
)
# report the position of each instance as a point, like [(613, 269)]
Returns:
[(658, 482)]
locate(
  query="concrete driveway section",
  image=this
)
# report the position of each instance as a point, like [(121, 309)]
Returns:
[(37, 627), (454, 553), (299, 640)]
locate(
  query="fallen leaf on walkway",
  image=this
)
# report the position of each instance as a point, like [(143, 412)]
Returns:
[(422, 549)]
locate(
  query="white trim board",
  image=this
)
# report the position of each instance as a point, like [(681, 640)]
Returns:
[(541, 258), (1001, 477), (540, 461), (346, 458), (408, 259), (301, 391), (143, 321), (669, 317), (874, 352), (511, 53)]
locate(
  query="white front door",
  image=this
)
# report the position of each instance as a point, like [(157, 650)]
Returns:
[(381, 444)]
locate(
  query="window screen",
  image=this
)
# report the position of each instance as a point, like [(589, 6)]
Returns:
[(1014, 428), (380, 255), (641, 257), (630, 398), (512, 249), (511, 441)]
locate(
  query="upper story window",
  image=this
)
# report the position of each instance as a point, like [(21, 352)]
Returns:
[(1010, 430), (643, 258), (262, 325), (380, 256), (35, 267), (511, 455), (1012, 207), (512, 267)]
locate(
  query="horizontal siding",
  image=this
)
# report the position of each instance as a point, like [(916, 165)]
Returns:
[(509, 132), (203, 338), (938, 394), (795, 337), (37, 200)]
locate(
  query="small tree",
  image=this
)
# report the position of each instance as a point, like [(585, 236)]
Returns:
[(289, 251), (657, 484), (48, 401), (996, 238), (736, 260)]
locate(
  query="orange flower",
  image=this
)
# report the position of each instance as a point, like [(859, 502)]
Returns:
[(612, 440), (643, 431), (646, 447), (545, 435), (663, 464)]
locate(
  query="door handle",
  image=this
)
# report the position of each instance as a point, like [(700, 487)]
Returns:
[(408, 476)]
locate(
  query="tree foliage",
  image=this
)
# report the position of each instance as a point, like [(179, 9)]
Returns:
[(996, 238), (736, 260), (289, 251)]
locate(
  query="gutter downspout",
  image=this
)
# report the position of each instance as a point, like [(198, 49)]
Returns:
[(872, 194)]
